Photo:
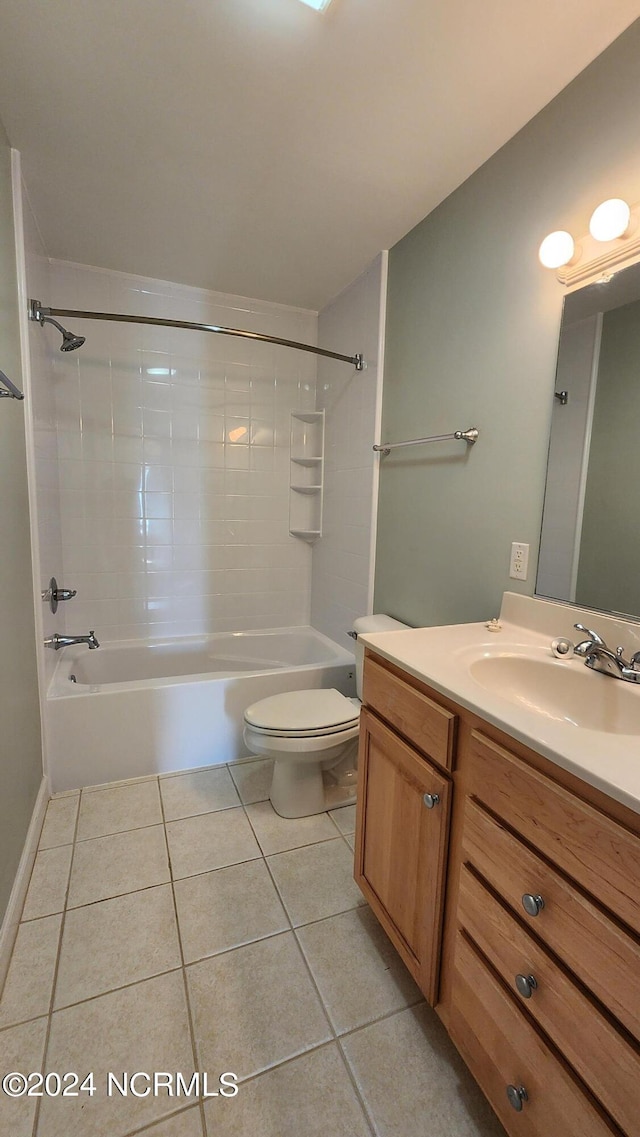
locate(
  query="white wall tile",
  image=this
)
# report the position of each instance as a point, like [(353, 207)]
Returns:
[(167, 525), (44, 379)]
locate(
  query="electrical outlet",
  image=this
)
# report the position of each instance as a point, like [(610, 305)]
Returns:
[(519, 561)]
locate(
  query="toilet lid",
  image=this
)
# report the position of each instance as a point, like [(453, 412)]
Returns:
[(299, 712)]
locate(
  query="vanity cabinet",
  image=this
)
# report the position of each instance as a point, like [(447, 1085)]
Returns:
[(539, 982), (402, 827)]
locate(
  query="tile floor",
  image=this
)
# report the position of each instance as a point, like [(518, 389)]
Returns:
[(178, 925)]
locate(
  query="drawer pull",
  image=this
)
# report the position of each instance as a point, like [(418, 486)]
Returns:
[(431, 799), (532, 905), (517, 1096), (526, 985)]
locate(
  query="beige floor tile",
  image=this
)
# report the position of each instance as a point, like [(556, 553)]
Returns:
[(185, 795), (253, 779), (116, 942), (344, 818), (254, 1007), (29, 984), (309, 1097), (223, 909), (140, 1028), (276, 834), (185, 1124), (21, 1048), (407, 1069), (48, 884), (350, 838), (121, 862), (316, 881), (60, 822), (119, 809), (210, 841), (359, 974)]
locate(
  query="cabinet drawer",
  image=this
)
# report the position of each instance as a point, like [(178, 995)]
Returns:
[(599, 853), (430, 727), (502, 1048), (595, 947), (602, 1056)]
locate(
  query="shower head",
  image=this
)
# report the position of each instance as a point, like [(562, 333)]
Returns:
[(69, 341)]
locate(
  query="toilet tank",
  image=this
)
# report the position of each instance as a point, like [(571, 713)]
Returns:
[(369, 625)]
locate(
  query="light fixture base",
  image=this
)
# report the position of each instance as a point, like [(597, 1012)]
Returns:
[(602, 259)]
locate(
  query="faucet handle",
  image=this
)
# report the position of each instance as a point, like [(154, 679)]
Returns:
[(593, 640), (593, 636), (634, 662)]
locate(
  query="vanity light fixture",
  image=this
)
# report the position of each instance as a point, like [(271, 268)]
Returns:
[(557, 249), (610, 220), (317, 5), (613, 241)]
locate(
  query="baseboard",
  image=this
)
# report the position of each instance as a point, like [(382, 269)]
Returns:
[(9, 927)]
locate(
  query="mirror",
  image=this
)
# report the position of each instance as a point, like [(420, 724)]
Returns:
[(590, 543)]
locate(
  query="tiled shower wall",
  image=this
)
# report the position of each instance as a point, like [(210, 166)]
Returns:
[(174, 460), (343, 558), (45, 438)]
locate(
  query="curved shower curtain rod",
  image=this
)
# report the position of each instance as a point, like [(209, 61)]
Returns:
[(42, 315)]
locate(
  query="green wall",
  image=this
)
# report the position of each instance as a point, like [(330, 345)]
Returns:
[(472, 331), (20, 746)]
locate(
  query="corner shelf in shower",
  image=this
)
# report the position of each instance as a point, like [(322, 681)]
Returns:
[(307, 474)]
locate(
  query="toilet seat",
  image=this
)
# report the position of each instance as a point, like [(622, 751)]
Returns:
[(303, 714)]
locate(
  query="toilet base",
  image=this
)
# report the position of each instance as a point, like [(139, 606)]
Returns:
[(305, 789)]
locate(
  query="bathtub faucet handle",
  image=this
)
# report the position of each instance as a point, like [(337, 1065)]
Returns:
[(53, 594)]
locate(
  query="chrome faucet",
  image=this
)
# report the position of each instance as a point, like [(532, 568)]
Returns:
[(599, 657), (56, 642)]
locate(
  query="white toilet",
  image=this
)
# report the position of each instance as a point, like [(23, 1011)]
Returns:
[(313, 738)]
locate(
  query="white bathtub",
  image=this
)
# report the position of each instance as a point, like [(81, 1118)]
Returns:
[(134, 708)]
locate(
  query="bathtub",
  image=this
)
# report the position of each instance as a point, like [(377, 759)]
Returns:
[(132, 708)]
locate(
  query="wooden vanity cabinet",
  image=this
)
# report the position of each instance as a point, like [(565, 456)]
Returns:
[(402, 826), (540, 954)]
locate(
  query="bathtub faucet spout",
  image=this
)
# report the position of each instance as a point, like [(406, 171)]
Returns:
[(56, 642)]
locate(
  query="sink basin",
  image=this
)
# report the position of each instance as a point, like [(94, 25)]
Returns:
[(565, 691)]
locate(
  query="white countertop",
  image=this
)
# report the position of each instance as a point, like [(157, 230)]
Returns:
[(441, 657)]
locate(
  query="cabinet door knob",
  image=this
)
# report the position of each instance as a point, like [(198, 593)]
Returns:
[(430, 800), (526, 985), (517, 1096), (532, 905)]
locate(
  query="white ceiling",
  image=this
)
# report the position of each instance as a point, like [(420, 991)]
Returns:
[(259, 147)]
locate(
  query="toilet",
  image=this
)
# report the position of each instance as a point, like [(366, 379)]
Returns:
[(312, 737)]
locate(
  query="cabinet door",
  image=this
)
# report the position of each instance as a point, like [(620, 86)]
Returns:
[(401, 846)]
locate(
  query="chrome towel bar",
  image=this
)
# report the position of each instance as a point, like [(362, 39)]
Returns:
[(470, 436), (11, 391)]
